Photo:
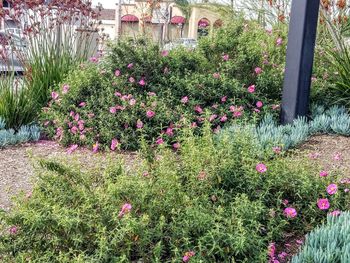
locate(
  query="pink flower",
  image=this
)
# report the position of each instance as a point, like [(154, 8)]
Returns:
[(285, 202), (258, 70), (82, 104), (346, 190), (188, 256), (131, 65), (337, 157), (212, 117), (54, 95), (117, 94), (126, 208), (65, 89), (323, 173), (13, 230), (176, 146), (151, 94), (216, 75), (77, 117), (224, 99), (117, 73), (159, 141), (169, 132), (335, 213), (261, 168), (95, 147), (131, 80), (259, 104), (290, 212), (113, 110), (93, 60), (256, 110), (74, 130), (251, 89), (150, 114), (323, 204), (275, 107), (194, 125), (279, 41), (299, 241), (165, 53), (184, 100), (271, 250), (277, 149), (225, 57), (198, 109), (223, 118), (282, 255), (72, 148), (237, 114), (332, 189), (139, 124), (114, 144), (132, 102), (142, 82)]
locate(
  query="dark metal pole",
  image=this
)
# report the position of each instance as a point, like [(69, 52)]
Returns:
[(300, 56)]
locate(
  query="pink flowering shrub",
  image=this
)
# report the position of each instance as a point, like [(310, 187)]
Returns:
[(205, 203), (136, 92)]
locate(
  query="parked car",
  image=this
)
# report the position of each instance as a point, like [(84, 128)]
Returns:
[(11, 46), (188, 43)]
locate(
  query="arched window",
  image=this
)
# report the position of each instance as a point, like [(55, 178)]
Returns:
[(218, 23), (130, 25), (203, 27)]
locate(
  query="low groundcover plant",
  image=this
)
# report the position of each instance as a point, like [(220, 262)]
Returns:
[(208, 201)]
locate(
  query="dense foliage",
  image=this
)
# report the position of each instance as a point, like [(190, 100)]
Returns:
[(209, 202)]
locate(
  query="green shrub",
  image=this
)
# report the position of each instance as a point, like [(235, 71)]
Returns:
[(207, 198), (328, 243)]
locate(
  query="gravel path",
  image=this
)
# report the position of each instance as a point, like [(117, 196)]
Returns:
[(16, 165)]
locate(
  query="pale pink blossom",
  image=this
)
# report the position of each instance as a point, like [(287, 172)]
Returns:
[(184, 100), (261, 168), (54, 95), (114, 144), (159, 141), (225, 57), (259, 104), (150, 114), (113, 110), (13, 230), (335, 213), (95, 147), (117, 73), (132, 102), (224, 99), (323, 173), (176, 146), (139, 124), (251, 89), (65, 88), (332, 189), (216, 75), (126, 208), (323, 204), (165, 53), (142, 82), (82, 104), (223, 118), (279, 41), (198, 109), (131, 65), (290, 212), (131, 80), (258, 70), (72, 148)]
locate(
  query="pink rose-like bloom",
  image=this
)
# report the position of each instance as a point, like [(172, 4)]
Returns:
[(282, 255), (72, 148), (225, 57), (237, 114), (332, 189), (224, 99), (74, 130), (323, 204), (54, 95), (176, 146), (184, 100), (194, 125), (95, 147), (13, 230), (113, 110), (77, 117), (131, 65), (277, 149), (188, 256), (251, 89), (169, 132), (131, 80), (139, 124), (117, 73), (259, 104), (271, 250), (335, 213), (323, 173), (261, 168), (82, 104), (258, 70), (212, 117), (290, 212), (94, 59), (114, 144), (279, 41), (150, 114), (132, 102), (216, 75), (223, 118), (159, 141), (65, 89), (165, 53), (346, 190), (142, 82), (117, 94), (126, 208), (198, 109)]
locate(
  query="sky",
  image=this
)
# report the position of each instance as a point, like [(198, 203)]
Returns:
[(105, 3)]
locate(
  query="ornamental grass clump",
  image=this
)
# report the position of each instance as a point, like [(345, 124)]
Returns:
[(205, 201)]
